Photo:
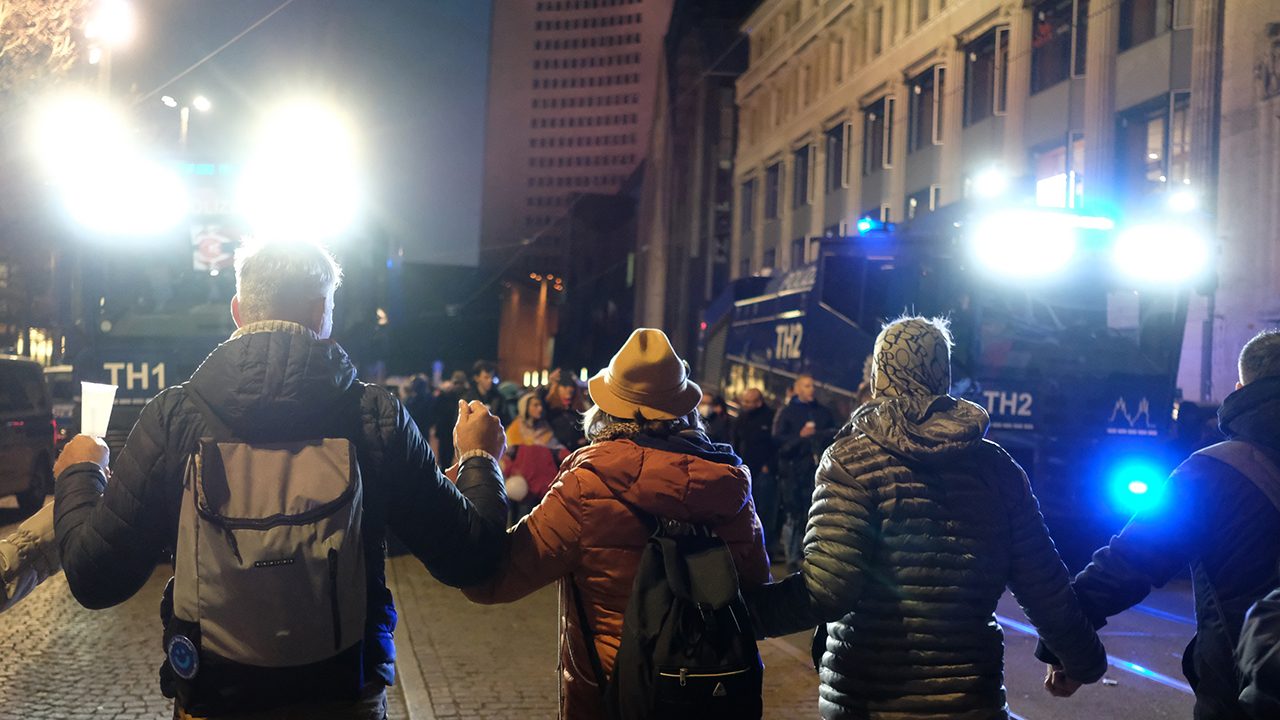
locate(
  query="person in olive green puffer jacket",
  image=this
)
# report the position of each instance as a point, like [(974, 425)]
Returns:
[(918, 525)]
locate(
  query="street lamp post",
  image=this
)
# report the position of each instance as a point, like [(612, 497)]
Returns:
[(111, 25), (199, 103)]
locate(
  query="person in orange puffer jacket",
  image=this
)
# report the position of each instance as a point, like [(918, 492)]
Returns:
[(648, 457)]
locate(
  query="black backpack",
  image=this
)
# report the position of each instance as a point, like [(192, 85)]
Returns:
[(688, 649)]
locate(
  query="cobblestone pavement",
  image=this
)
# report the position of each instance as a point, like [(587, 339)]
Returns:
[(460, 661), (457, 660)]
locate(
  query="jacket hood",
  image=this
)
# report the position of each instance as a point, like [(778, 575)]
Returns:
[(672, 485), (261, 383), (1253, 413), (924, 429)]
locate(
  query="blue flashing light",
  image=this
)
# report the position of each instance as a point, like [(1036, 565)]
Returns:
[(1136, 485), (866, 225)]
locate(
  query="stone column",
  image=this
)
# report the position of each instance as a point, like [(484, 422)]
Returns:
[(1205, 111), (951, 163), (1017, 89), (1100, 103), (818, 158), (896, 186), (1206, 97)]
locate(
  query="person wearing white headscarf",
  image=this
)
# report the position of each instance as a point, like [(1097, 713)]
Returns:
[(918, 525)]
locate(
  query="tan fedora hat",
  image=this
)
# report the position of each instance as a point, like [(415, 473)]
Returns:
[(646, 377)]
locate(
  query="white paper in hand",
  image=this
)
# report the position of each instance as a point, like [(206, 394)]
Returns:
[(96, 400)]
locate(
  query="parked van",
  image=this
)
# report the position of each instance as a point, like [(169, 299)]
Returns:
[(26, 433)]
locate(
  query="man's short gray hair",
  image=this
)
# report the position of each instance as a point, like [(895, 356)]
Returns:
[(1260, 357), (275, 281)]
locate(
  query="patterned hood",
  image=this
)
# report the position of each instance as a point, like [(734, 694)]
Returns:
[(923, 429)]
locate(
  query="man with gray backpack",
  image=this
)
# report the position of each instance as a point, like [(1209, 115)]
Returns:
[(275, 476)]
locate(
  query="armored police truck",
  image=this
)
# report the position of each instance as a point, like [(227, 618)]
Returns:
[(1068, 331)]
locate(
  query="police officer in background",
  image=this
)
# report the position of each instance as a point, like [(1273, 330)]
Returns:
[(801, 431)]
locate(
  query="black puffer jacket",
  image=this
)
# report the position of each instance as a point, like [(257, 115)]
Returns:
[(1216, 520), (917, 527), (277, 382)]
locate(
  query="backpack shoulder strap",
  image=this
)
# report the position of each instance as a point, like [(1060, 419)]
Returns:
[(217, 429), (1252, 462), (588, 637)]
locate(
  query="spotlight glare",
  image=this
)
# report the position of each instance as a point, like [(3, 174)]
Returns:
[(1161, 252), (1025, 243)]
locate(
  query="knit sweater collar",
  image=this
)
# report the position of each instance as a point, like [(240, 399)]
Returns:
[(283, 326)]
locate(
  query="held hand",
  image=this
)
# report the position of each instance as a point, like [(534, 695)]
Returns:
[(478, 429), (82, 449), (808, 430), (1058, 683)]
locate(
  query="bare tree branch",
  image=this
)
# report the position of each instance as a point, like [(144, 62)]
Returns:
[(37, 41)]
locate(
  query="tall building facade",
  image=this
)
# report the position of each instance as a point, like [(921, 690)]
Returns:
[(571, 95), (686, 204), (890, 109)]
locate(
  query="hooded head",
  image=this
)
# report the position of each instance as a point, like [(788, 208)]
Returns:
[(912, 358)]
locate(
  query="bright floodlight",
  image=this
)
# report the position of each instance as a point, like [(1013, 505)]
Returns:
[(112, 23), (72, 132), (169, 101), (1024, 243), (201, 103), (129, 196), (303, 181), (990, 183), (1183, 201), (1161, 252)]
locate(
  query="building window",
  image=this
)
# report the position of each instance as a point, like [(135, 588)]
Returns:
[(797, 252), (800, 177), (770, 258), (1053, 35), (1059, 174), (874, 137), (837, 61), (1153, 147), (748, 208), (876, 29), (986, 73), (1140, 21), (837, 164), (919, 203), (772, 180), (927, 91), (922, 11)]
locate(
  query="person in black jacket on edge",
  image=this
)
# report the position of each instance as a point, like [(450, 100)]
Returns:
[(1219, 515), (801, 431), (279, 379)]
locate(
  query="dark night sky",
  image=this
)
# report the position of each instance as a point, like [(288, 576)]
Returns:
[(410, 74)]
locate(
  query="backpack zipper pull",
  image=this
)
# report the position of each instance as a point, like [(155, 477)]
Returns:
[(684, 676)]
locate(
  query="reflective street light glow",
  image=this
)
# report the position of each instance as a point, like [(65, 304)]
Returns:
[(169, 101), (201, 103)]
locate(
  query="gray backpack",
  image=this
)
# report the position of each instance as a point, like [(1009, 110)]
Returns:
[(269, 569)]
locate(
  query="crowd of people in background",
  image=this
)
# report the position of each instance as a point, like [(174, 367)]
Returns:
[(780, 446)]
